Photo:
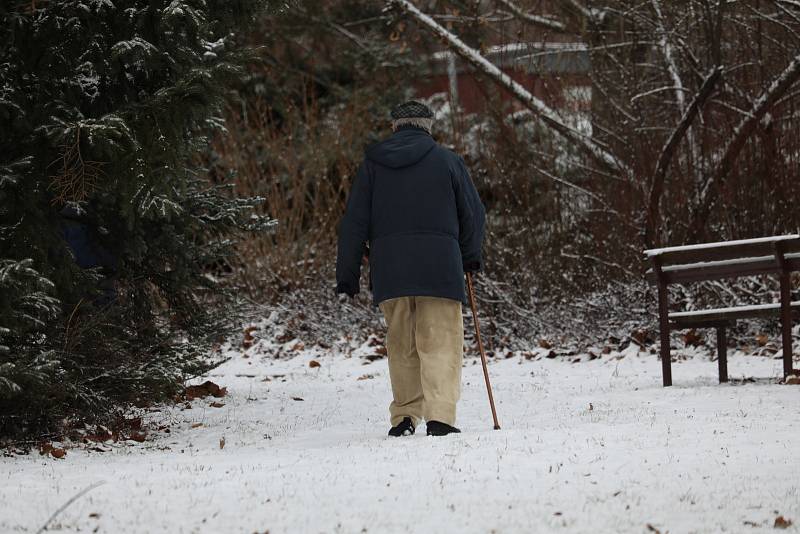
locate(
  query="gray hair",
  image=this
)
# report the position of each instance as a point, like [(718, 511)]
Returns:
[(420, 122)]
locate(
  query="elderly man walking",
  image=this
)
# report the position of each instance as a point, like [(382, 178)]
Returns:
[(414, 205)]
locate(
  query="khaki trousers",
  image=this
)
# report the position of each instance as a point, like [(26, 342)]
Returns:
[(425, 343)]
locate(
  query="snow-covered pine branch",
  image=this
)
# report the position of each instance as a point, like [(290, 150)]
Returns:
[(541, 110)]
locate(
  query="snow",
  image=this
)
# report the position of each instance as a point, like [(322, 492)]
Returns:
[(752, 307), (137, 43), (702, 246), (596, 446), (717, 263)]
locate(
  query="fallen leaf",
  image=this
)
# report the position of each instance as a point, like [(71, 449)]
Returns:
[(94, 515), (285, 337), (792, 380), (693, 339), (782, 523), (640, 336), (205, 389), (365, 377), (217, 404), (545, 344), (60, 453), (297, 398), (381, 350), (299, 346), (374, 357), (249, 339), (222, 442), (591, 407), (651, 528), (197, 425), (138, 436), (762, 339), (314, 363)]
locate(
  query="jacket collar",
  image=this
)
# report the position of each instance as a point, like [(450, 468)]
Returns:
[(404, 127)]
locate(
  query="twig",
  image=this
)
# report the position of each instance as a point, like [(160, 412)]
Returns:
[(64, 506), (69, 323)]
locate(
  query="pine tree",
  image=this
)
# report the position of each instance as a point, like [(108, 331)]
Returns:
[(109, 227)]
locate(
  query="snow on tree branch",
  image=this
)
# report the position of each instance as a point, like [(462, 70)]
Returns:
[(541, 110), (666, 48), (592, 14), (530, 18)]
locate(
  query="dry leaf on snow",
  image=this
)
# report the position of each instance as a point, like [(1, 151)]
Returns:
[(138, 436), (205, 389), (782, 523)]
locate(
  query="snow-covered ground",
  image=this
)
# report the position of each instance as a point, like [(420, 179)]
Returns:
[(597, 446)]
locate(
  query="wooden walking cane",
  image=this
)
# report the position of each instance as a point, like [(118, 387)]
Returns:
[(480, 347)]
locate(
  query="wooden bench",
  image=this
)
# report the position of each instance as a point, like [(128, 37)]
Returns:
[(777, 256)]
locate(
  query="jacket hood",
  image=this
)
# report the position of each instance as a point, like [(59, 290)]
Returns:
[(404, 148)]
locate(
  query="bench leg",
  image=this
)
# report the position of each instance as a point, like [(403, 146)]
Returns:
[(663, 319), (786, 324), (722, 354)]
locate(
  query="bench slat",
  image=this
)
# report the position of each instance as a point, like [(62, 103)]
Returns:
[(695, 318), (715, 270), (725, 250)]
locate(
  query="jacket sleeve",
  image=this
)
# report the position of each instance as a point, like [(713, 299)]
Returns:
[(354, 233), (471, 218)]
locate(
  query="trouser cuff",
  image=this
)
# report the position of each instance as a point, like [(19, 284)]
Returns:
[(444, 412)]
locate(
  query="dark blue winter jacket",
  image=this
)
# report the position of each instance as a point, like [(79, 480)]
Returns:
[(414, 203)]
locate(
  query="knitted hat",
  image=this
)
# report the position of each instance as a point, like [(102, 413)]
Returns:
[(412, 110)]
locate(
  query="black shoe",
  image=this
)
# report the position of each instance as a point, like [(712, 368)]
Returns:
[(405, 428), (435, 428)]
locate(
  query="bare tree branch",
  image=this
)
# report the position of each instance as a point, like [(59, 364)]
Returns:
[(742, 132), (542, 111), (536, 20), (590, 13), (660, 173)]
